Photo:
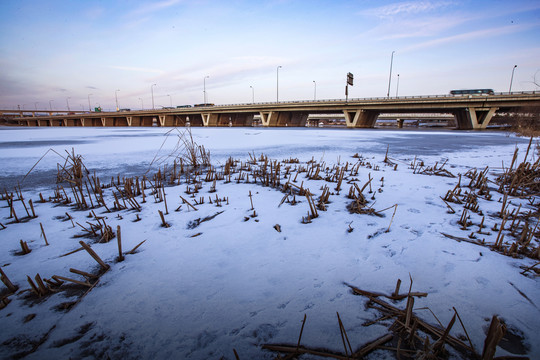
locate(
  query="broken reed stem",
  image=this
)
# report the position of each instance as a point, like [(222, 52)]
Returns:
[(132, 251), (392, 219), (83, 273), (301, 331), (32, 208), (251, 200), (33, 286), (466, 333), (94, 255), (344, 334), (7, 282), (163, 222), (43, 233), (24, 247), (63, 278), (119, 238), (164, 199)]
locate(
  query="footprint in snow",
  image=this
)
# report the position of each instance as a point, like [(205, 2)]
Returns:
[(284, 305), (482, 280)]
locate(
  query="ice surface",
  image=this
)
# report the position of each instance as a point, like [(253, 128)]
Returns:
[(239, 284)]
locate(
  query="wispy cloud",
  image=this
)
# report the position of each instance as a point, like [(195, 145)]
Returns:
[(484, 33), (136, 69), (151, 7), (406, 8)]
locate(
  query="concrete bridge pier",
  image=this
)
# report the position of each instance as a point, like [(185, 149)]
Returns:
[(360, 118), (166, 120), (474, 118), (210, 119), (283, 118)]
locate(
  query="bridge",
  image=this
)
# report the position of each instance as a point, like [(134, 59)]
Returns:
[(469, 112)]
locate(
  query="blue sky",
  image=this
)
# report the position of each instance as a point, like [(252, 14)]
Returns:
[(66, 50)]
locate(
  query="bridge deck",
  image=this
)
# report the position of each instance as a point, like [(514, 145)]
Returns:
[(470, 112)]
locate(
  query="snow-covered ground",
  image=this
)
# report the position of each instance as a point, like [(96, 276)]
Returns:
[(199, 289)]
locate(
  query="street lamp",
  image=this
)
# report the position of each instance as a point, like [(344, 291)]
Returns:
[(35, 105), (152, 91), (204, 88), (170, 98), (314, 90), (252, 94), (67, 102), (50, 104), (142, 104), (512, 78), (390, 77), (116, 97), (397, 87), (89, 105), (277, 83)]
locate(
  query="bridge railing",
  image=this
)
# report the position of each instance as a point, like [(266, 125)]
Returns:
[(380, 98)]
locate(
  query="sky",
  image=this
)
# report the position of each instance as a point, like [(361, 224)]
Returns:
[(81, 54)]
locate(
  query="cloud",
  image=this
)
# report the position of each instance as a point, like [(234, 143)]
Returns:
[(137, 69), (406, 8), (484, 33), (91, 87), (154, 6)]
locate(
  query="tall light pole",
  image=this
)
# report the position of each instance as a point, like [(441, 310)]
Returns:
[(89, 106), (152, 91), (390, 77), (512, 78), (67, 102), (204, 88), (116, 97), (397, 87), (252, 94), (35, 105), (170, 98), (277, 83), (142, 104), (314, 90), (50, 104)]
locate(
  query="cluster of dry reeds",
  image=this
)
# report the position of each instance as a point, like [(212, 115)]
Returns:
[(517, 228), (408, 337)]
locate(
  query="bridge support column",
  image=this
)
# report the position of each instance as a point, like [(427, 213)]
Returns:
[(360, 118), (210, 119), (269, 118), (474, 118), (166, 120), (105, 121), (283, 118)]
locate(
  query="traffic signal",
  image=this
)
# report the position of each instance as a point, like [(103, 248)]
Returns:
[(350, 78)]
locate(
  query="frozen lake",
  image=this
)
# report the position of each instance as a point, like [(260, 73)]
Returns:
[(199, 289), (130, 151)]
